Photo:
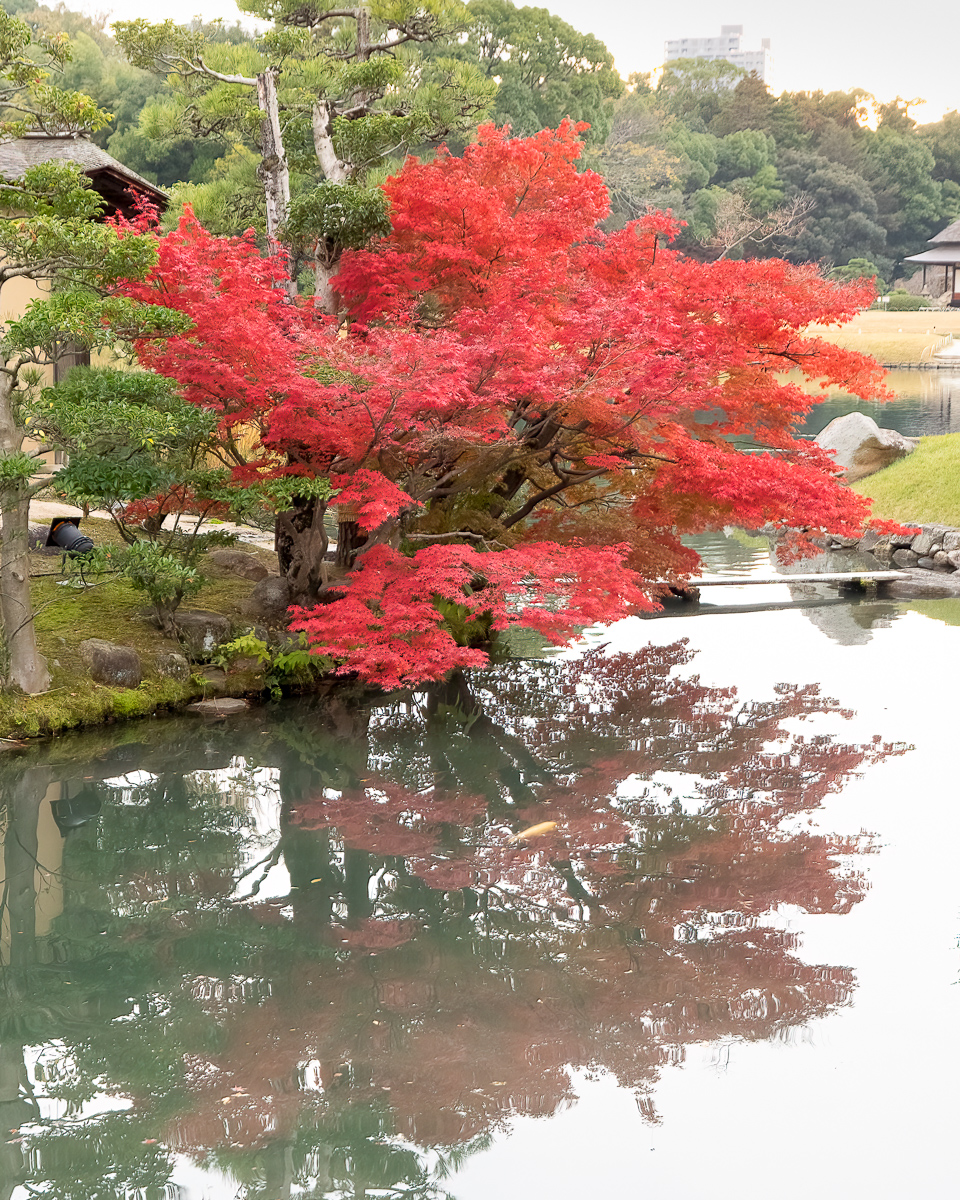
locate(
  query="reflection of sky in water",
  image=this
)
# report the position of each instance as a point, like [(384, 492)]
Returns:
[(859, 1104)]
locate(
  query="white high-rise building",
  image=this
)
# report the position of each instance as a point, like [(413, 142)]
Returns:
[(727, 46)]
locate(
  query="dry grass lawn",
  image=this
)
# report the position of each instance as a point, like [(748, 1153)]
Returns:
[(894, 337)]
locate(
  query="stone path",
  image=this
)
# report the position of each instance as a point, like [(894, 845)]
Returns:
[(43, 511)]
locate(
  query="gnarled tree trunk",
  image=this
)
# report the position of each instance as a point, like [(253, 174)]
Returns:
[(272, 170), (301, 541)]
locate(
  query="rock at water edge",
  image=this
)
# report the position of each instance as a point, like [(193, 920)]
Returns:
[(225, 707), (112, 665), (861, 447)]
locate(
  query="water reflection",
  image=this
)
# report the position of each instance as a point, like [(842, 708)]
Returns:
[(357, 994), (928, 403)]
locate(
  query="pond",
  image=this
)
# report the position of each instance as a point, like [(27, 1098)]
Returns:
[(924, 405), (671, 913)]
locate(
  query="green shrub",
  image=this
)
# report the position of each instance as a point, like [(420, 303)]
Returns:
[(903, 302)]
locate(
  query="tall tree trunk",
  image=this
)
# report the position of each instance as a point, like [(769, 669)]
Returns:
[(21, 663), (272, 171), (332, 167), (324, 297)]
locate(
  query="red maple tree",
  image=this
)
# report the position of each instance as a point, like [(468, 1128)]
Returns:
[(521, 415)]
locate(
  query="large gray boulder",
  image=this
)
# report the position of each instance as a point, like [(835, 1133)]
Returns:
[(269, 600), (112, 665), (861, 447), (172, 665), (237, 562)]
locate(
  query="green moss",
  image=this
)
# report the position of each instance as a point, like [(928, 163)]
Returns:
[(83, 703), (923, 487), (112, 610)]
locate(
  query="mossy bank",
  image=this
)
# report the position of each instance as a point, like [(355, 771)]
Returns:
[(110, 609)]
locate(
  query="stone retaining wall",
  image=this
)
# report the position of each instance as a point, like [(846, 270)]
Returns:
[(934, 548)]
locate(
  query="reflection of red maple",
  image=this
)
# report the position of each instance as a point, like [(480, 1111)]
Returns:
[(491, 967)]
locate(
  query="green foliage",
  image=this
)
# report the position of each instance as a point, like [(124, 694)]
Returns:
[(292, 667), (227, 200), (546, 69), (30, 99), (111, 478), (101, 410), (163, 578), (694, 88), (743, 153), (856, 268), (943, 140), (16, 467), (281, 493), (845, 222), (697, 153), (51, 190), (857, 192), (89, 320), (248, 645), (348, 215), (901, 301), (381, 100)]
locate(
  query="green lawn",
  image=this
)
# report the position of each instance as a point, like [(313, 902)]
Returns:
[(923, 487)]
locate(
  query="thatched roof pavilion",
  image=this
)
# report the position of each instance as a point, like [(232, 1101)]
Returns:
[(111, 179)]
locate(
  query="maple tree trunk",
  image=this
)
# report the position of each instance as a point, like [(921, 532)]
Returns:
[(21, 663), (349, 541), (272, 171), (301, 542)]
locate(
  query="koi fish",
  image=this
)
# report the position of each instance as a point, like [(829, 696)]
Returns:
[(533, 831)]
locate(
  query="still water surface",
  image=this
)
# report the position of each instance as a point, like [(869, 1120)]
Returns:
[(305, 954), (928, 403)]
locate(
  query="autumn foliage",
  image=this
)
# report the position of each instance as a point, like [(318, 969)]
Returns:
[(522, 414)]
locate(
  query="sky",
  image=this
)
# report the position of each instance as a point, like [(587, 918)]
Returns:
[(825, 44)]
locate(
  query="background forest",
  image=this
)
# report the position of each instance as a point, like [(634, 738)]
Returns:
[(838, 178)]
